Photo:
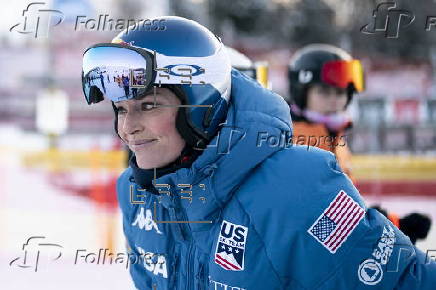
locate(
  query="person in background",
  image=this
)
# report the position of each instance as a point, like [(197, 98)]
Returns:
[(322, 82)]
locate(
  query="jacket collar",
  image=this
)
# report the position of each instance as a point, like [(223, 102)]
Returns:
[(254, 115), (144, 177)]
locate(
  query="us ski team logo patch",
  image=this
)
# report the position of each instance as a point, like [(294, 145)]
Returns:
[(230, 248), (337, 222)]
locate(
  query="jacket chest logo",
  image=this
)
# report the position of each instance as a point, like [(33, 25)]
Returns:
[(154, 263), (230, 248), (146, 222)]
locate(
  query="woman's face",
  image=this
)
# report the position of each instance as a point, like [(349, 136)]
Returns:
[(150, 131), (326, 99)]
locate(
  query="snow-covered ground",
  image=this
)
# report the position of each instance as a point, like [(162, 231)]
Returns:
[(30, 207)]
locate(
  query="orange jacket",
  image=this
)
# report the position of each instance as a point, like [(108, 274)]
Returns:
[(316, 134)]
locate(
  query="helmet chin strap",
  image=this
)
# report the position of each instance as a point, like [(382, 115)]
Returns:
[(116, 120), (188, 134)]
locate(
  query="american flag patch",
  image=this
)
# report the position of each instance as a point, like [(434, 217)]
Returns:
[(337, 222)]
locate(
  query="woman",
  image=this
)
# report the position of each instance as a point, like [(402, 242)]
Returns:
[(207, 206)]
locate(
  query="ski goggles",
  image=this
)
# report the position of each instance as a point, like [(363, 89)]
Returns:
[(120, 72), (341, 73)]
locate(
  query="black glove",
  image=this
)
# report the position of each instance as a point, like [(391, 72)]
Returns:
[(415, 226)]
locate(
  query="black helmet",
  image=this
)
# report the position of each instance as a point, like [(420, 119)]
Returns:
[(323, 64)]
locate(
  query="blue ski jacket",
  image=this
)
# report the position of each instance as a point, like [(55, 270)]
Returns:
[(255, 212)]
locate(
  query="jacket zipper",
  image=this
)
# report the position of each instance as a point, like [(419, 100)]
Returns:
[(189, 258), (200, 277), (175, 273), (189, 268)]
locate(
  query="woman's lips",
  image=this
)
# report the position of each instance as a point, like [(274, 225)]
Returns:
[(138, 144)]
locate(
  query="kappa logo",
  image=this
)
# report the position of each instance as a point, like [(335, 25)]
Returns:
[(230, 248), (146, 222)]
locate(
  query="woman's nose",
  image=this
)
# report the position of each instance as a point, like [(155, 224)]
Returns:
[(132, 123), (331, 94)]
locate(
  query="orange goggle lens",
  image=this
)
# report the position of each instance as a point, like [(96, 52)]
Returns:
[(340, 73)]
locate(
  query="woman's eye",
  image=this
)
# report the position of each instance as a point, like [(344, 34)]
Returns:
[(121, 110), (148, 106)]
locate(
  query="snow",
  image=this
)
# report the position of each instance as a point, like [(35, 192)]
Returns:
[(31, 206)]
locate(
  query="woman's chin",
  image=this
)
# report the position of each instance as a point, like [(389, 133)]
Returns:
[(146, 163)]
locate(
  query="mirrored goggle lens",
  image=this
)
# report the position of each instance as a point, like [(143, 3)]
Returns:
[(341, 73), (116, 73)]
